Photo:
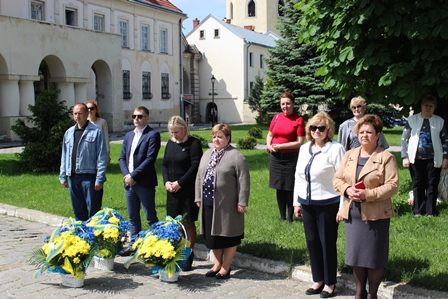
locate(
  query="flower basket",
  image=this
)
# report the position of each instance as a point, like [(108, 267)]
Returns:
[(103, 263), (110, 229), (162, 247), (68, 250), (69, 281), (164, 276)]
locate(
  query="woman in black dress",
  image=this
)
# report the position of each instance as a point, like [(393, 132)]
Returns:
[(367, 179), (179, 168)]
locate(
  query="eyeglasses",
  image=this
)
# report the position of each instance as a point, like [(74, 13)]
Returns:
[(357, 107), (91, 108), (139, 116), (320, 128)]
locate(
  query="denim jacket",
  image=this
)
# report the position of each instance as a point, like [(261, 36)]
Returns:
[(91, 155)]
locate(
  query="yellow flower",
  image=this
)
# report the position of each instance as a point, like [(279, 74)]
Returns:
[(114, 220)]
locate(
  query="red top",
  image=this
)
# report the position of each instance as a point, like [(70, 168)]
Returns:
[(286, 129)]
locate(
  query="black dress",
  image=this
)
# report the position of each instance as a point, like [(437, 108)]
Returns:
[(180, 163)]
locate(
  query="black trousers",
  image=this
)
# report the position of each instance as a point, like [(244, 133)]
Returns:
[(321, 233), (425, 180)]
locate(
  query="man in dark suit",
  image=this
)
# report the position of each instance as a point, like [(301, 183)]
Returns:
[(137, 159)]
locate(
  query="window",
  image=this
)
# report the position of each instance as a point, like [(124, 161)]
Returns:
[(37, 10), (201, 34), (165, 86), (261, 61), (216, 33), (146, 86), (251, 62), (281, 7), (124, 34), (71, 15), (163, 41), (145, 38), (251, 85), (98, 22), (127, 85), (251, 9)]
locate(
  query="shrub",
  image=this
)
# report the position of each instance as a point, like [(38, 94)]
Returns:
[(202, 140), (256, 132), (43, 140), (247, 142)]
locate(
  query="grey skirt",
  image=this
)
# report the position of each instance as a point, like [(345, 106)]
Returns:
[(366, 242)]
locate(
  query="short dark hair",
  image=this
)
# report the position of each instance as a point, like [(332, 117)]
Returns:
[(369, 119), (429, 99), (143, 109), (288, 95)]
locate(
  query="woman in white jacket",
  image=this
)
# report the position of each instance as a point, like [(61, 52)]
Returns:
[(424, 150), (316, 201)]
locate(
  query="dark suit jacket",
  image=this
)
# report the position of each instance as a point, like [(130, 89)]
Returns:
[(145, 156)]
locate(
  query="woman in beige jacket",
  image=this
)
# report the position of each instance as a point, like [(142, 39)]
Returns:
[(367, 179)]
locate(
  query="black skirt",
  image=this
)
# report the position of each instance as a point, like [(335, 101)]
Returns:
[(282, 170), (216, 242)]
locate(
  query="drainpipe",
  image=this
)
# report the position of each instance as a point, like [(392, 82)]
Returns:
[(181, 101), (246, 89)]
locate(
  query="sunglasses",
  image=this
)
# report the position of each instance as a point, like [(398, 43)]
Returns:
[(320, 128), (139, 116), (356, 107), (90, 108)]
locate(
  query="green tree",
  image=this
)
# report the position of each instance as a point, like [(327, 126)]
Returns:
[(254, 100), (388, 50), (292, 67), (43, 140)]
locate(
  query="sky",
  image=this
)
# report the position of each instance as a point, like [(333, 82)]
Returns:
[(200, 9)]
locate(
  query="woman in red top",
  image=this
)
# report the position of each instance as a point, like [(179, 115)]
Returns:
[(285, 136)]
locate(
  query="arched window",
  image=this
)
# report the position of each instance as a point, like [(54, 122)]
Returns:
[(281, 6), (251, 9)]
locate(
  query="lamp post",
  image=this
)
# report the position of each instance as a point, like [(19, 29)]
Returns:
[(213, 110)]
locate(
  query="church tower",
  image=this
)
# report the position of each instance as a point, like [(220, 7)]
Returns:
[(257, 15)]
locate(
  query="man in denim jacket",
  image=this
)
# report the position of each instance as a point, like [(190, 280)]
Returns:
[(84, 160)]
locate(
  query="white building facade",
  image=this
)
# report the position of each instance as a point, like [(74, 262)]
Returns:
[(122, 53), (234, 56)]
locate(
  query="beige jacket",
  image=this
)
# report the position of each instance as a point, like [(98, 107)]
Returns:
[(380, 176)]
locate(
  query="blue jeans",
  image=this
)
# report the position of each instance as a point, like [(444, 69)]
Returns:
[(86, 201), (145, 196)]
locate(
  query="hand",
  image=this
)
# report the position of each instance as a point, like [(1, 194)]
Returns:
[(64, 184), (128, 180), (339, 218), (445, 163), (198, 203), (406, 162), (98, 187), (298, 211), (242, 209), (278, 147), (355, 194)]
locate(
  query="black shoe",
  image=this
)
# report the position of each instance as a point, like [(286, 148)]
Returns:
[(223, 276), (325, 294), (312, 291), (187, 265), (211, 273), (125, 252)]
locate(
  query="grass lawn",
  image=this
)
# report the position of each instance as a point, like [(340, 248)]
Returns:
[(418, 247)]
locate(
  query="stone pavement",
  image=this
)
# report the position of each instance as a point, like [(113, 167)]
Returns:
[(19, 237), (22, 230)]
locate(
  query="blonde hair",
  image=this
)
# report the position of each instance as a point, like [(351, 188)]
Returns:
[(359, 100), (178, 122), (226, 129), (319, 118)]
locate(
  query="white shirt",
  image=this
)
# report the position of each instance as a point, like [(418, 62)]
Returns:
[(137, 136), (322, 170)]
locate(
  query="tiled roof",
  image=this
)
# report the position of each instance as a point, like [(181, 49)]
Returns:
[(163, 3)]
